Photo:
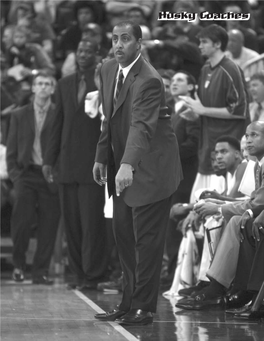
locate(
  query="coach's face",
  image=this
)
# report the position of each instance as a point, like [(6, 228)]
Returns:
[(126, 47)]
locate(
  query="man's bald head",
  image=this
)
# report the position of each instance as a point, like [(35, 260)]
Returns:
[(235, 42), (259, 125), (255, 139), (236, 34)]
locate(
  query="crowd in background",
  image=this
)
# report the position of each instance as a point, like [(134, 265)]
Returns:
[(43, 36)]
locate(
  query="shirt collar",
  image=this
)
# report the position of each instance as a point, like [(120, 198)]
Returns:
[(261, 162), (262, 105), (127, 68), (45, 108)]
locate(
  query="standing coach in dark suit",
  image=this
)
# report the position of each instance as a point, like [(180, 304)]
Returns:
[(73, 141), (29, 133), (139, 151)]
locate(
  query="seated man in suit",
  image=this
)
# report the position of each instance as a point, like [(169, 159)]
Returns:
[(228, 156), (250, 271), (27, 142), (222, 271)]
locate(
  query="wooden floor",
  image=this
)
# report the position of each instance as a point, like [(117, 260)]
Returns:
[(37, 312)]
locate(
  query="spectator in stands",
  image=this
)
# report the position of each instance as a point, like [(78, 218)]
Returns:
[(256, 88), (226, 112), (117, 10), (187, 133), (27, 142), (236, 50), (137, 15), (175, 55), (86, 12), (250, 36), (166, 75), (7, 37), (30, 55), (64, 15), (23, 14), (23, 60), (180, 30)]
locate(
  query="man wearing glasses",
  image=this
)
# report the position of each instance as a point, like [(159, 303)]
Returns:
[(36, 201)]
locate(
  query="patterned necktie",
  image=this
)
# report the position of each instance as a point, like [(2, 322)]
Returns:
[(257, 175), (81, 89), (118, 86)]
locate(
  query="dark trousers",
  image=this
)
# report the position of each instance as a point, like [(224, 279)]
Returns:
[(34, 202), (140, 236), (85, 228), (250, 268)]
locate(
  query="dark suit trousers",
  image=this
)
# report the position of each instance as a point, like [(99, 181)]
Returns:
[(140, 236), (250, 268), (83, 213), (34, 200)]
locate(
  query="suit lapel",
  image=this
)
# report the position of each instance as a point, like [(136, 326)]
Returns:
[(128, 81), (109, 91), (48, 118), (122, 96), (74, 90), (31, 118)]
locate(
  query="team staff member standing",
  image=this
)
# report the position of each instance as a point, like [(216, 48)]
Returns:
[(73, 141), (222, 106), (29, 133), (138, 150)]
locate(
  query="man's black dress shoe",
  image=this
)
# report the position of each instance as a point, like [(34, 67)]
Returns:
[(42, 280), (201, 302), (73, 286), (184, 301), (190, 292), (136, 317), (245, 308), (88, 285), (251, 315), (110, 315), (18, 275), (239, 299)]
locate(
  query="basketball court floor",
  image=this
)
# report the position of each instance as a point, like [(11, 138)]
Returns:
[(37, 313)]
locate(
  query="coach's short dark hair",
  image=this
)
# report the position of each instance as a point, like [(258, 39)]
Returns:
[(215, 33), (136, 29), (232, 141)]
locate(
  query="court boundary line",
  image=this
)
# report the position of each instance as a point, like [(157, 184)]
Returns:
[(94, 306), (235, 322)]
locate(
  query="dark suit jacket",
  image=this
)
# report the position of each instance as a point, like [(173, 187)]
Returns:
[(21, 138), (140, 133), (75, 135), (187, 134), (257, 210), (238, 208)]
